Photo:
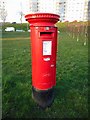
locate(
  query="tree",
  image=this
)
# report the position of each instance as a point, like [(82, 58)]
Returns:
[(3, 12), (21, 13)]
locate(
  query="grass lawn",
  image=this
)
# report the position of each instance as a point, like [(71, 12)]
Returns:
[(72, 78)]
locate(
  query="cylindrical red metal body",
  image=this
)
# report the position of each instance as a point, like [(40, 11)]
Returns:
[(43, 49)]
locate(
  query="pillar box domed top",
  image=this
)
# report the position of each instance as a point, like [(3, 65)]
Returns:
[(42, 19)]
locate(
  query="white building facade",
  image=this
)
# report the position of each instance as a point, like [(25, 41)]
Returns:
[(62, 10), (76, 10), (33, 6), (48, 6), (69, 10), (85, 16)]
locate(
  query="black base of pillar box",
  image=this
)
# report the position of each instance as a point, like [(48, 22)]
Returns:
[(44, 98)]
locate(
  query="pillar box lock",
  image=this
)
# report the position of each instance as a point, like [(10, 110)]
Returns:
[(43, 54)]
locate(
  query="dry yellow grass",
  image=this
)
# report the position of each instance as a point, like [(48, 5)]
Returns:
[(19, 38)]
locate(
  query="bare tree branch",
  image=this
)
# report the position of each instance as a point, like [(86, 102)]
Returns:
[(3, 12)]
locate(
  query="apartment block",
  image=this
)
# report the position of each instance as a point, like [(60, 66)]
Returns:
[(49, 6), (69, 10), (76, 10)]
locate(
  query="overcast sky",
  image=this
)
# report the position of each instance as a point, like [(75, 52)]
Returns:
[(13, 8)]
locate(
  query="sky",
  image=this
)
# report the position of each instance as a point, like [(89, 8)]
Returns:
[(13, 8)]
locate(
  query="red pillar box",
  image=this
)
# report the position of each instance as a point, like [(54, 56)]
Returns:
[(43, 50)]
